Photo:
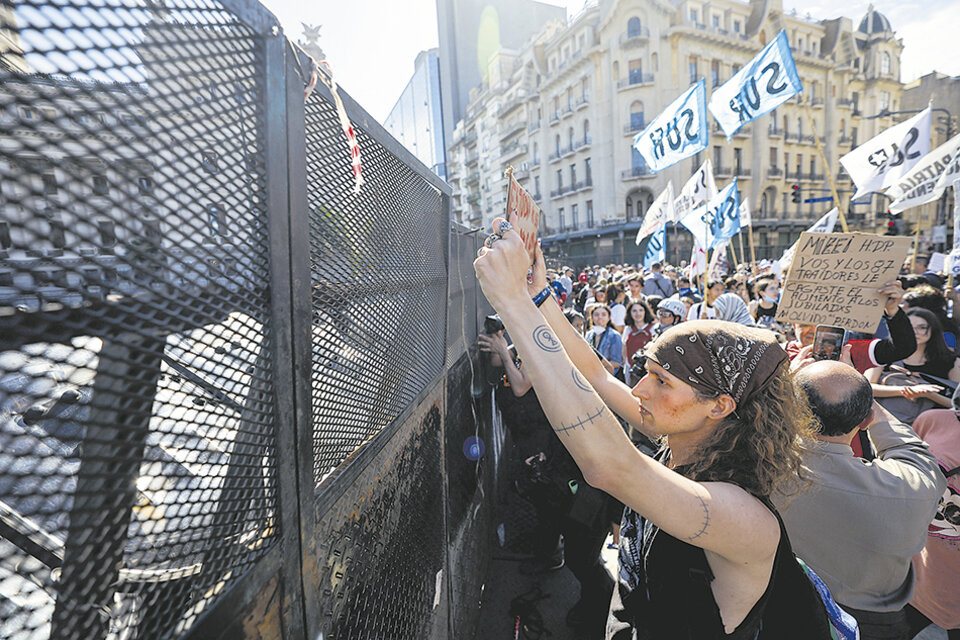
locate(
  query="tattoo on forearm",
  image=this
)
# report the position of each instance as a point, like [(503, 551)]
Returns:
[(579, 380), (581, 423), (546, 340), (706, 520)]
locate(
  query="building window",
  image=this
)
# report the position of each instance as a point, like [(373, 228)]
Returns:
[(570, 138), (636, 71), (813, 167), (637, 163), (655, 62), (100, 186), (717, 157), (736, 26), (574, 216), (773, 157), (692, 66), (586, 132), (50, 186), (737, 159), (715, 73), (634, 27), (573, 175), (589, 213), (536, 185), (536, 153), (884, 63), (588, 171), (563, 225), (694, 16), (716, 21), (636, 116), (557, 144), (884, 100), (559, 180)]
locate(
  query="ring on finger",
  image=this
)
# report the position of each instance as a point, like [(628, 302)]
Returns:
[(490, 240), (504, 227)]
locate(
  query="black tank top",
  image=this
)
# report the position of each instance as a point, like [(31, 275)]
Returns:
[(771, 312), (671, 598)]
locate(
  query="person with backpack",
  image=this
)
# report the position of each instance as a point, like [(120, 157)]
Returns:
[(841, 526), (703, 552), (657, 284)]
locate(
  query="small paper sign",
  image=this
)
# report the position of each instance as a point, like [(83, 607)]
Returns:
[(528, 215), (937, 263), (835, 277)]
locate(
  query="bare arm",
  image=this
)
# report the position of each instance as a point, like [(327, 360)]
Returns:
[(497, 346), (718, 517)]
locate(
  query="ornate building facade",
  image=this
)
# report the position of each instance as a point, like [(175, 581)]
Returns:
[(564, 108)]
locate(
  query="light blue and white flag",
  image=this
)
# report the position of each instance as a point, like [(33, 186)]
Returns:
[(677, 133), (659, 213), (766, 82), (721, 219), (656, 247)]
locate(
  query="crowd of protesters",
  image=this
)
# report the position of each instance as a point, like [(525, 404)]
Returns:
[(767, 448)]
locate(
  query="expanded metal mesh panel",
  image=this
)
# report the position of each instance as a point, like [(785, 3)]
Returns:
[(381, 547), (379, 275), (137, 452), (463, 290)]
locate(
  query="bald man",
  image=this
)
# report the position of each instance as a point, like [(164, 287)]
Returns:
[(859, 523)]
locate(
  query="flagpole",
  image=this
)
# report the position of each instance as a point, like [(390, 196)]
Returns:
[(826, 168), (753, 249), (734, 252), (740, 241), (916, 243)]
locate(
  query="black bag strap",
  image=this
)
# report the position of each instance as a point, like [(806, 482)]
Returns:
[(951, 472)]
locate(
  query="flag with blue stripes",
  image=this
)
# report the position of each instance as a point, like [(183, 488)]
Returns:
[(766, 82), (677, 133)]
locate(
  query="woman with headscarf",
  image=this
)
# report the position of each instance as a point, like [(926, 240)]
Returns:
[(732, 308)]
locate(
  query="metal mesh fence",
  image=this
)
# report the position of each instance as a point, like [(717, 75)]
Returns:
[(136, 428), (142, 472)]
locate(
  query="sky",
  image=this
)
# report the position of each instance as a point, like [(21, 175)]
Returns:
[(371, 44)]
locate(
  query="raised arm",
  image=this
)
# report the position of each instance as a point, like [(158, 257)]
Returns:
[(715, 516)]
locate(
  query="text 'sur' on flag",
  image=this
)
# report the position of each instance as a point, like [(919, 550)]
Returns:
[(679, 132), (882, 160), (719, 220), (766, 82)]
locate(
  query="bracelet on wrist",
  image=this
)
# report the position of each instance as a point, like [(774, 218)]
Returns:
[(541, 297)]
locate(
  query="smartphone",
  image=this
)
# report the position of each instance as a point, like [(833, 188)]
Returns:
[(828, 342)]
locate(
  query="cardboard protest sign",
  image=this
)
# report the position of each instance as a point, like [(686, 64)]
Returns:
[(937, 262), (528, 214), (835, 278)]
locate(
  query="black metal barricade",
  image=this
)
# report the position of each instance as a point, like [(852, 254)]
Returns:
[(237, 399)]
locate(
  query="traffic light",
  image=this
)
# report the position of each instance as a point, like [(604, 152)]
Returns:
[(795, 196), (894, 225)]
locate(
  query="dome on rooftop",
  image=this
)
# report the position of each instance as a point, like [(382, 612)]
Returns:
[(874, 22)]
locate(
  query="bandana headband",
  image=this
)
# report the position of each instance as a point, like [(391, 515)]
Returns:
[(719, 357)]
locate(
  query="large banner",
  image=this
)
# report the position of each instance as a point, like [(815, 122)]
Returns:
[(928, 179), (766, 82), (719, 221), (696, 193), (656, 248), (955, 253), (885, 158), (679, 132), (659, 213), (836, 277)]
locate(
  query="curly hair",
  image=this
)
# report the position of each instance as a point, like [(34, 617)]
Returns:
[(758, 446)]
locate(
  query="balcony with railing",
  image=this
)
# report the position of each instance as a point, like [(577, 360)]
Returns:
[(512, 127), (723, 172), (774, 172), (635, 79), (845, 140), (806, 138), (472, 158), (845, 102), (521, 174), (794, 175), (534, 126), (634, 126), (791, 136), (743, 172), (562, 151), (634, 38), (537, 197), (555, 116), (559, 191), (635, 173), (816, 102), (582, 101), (512, 150), (774, 132), (567, 110), (582, 142), (510, 105), (744, 132)]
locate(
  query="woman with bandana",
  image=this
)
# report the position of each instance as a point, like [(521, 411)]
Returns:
[(707, 555)]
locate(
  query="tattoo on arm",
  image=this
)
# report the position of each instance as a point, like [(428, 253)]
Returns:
[(706, 520), (580, 381), (581, 423), (545, 339)]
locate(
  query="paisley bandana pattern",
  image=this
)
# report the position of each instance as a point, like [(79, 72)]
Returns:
[(720, 357)]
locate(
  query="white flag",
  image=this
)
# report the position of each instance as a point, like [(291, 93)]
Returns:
[(679, 132), (697, 192), (659, 213), (718, 260), (823, 225), (955, 254), (698, 259), (719, 220), (885, 158), (928, 179), (745, 219), (766, 82)]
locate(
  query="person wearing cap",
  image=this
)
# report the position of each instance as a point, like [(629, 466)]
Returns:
[(703, 553), (670, 312)]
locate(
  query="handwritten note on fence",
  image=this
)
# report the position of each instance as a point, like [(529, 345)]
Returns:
[(834, 278)]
